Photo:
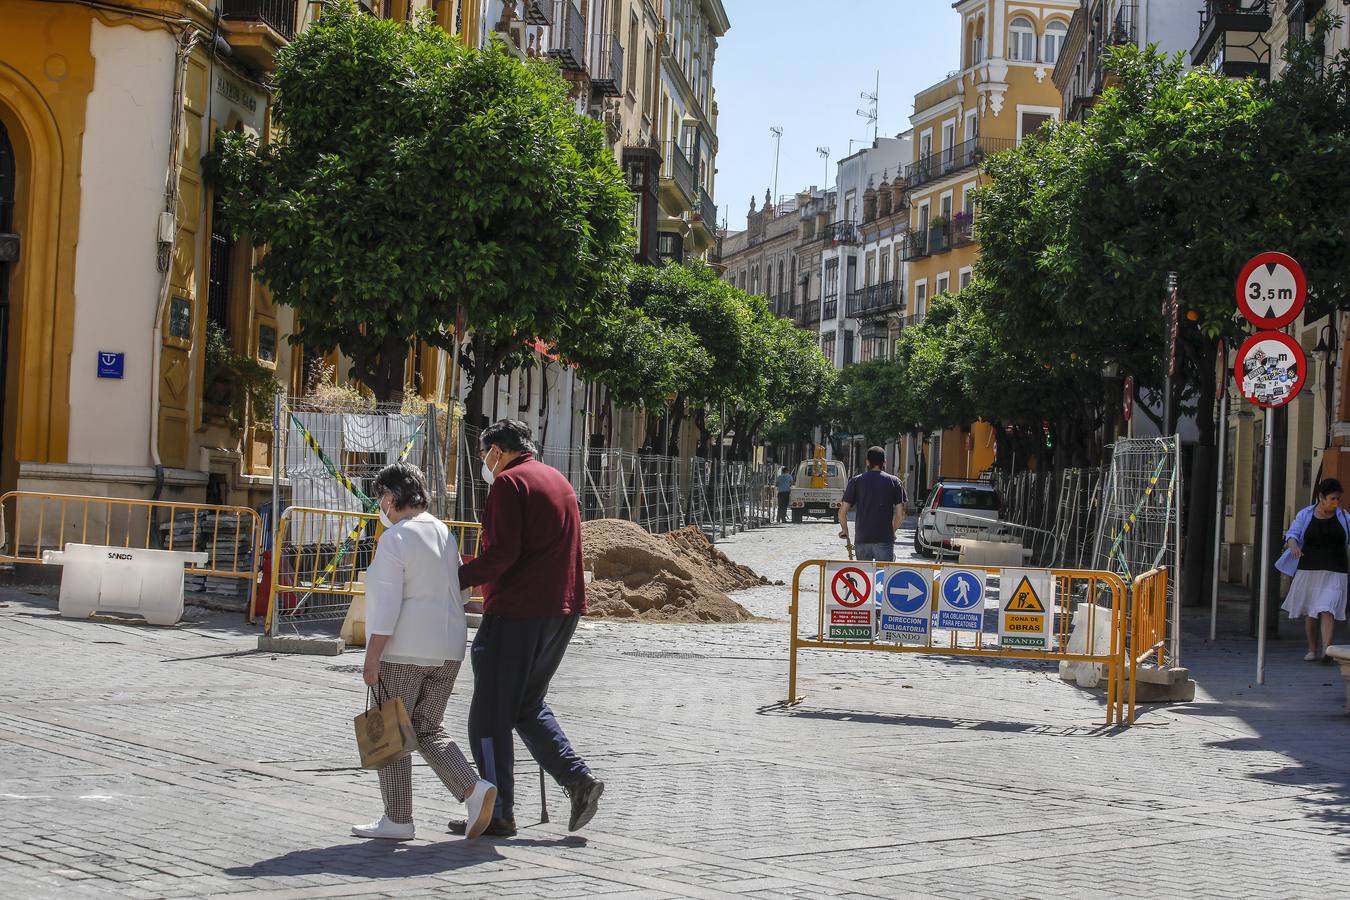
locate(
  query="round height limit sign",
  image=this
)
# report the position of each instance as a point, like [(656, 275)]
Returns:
[(1270, 368)]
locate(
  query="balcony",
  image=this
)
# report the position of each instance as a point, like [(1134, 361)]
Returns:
[(951, 160), (829, 309), (916, 245), (963, 230), (257, 29), (876, 300), (537, 12), (1120, 31), (707, 209), (807, 315), (841, 233), (568, 36), (677, 174), (911, 321), (1232, 38), (939, 237), (606, 65)]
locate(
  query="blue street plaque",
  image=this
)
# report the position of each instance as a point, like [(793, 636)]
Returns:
[(110, 365)]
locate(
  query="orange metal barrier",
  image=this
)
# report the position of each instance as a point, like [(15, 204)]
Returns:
[(231, 535), (1148, 625), (318, 557), (1071, 589)]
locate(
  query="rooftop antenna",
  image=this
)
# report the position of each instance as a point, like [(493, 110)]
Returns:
[(870, 114), (777, 132), (824, 153)]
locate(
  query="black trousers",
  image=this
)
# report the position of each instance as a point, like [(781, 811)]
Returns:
[(783, 506), (513, 663)]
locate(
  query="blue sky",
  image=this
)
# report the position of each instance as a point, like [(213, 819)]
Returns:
[(801, 64)]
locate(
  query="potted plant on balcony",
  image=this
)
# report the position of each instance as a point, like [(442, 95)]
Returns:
[(964, 225), (231, 380)]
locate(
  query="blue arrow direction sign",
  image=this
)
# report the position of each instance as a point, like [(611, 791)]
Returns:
[(906, 596)]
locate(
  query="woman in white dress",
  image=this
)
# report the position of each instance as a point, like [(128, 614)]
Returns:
[(1316, 544)]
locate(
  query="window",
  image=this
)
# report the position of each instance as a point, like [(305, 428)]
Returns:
[(648, 72), (830, 285), (972, 126), (1031, 123), (944, 283), (964, 278), (827, 342), (885, 267), (948, 144), (920, 296), (848, 207), (870, 270), (1053, 41), (218, 280), (925, 145), (631, 78), (852, 273), (848, 348), (669, 247), (977, 45), (1022, 40)]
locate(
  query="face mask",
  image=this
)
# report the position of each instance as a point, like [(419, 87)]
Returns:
[(385, 520), (488, 474)]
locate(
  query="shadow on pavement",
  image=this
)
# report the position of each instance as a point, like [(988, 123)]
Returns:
[(374, 859), (869, 718)]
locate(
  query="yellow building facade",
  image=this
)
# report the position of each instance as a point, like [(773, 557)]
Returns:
[(116, 273), (1002, 93)]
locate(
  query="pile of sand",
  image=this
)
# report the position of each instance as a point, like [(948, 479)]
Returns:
[(678, 577)]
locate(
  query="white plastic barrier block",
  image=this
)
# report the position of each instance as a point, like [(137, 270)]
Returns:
[(146, 583)]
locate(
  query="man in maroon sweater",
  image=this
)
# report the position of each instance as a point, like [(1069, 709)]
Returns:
[(529, 563)]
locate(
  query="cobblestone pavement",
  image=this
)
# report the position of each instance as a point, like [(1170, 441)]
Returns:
[(174, 762)]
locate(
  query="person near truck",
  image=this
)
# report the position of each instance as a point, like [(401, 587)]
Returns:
[(879, 498), (784, 485), (530, 565)]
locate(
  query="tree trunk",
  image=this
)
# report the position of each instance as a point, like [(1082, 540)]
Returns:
[(1198, 549)]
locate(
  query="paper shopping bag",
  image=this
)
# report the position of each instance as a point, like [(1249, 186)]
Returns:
[(384, 731)]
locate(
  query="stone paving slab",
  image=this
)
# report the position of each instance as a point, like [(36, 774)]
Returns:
[(180, 762)]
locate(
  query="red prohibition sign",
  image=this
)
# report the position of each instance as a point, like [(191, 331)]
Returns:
[(1270, 381), (1271, 290), (853, 595)]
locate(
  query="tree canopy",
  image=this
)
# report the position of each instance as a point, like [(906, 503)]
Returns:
[(411, 180)]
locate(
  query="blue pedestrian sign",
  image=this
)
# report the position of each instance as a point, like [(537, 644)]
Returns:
[(905, 597), (110, 365), (961, 600)]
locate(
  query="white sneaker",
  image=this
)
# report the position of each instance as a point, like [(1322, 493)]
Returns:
[(389, 831), (479, 805), (1311, 657)]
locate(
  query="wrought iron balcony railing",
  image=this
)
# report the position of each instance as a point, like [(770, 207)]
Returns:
[(829, 309), (568, 36), (676, 167), (842, 233), (950, 160), (876, 300), (707, 209), (916, 244), (279, 15)]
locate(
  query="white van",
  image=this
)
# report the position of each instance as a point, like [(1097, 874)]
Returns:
[(818, 489)]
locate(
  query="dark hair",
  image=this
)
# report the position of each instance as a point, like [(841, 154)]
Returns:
[(405, 483), (1329, 486), (876, 456), (785, 468), (511, 435)]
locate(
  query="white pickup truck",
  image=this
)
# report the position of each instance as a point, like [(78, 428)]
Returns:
[(818, 489)]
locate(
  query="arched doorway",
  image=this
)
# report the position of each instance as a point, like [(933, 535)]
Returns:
[(8, 256)]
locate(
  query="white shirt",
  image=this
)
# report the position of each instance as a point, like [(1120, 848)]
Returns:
[(412, 593)]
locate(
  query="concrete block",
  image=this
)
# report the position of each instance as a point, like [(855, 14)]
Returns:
[(1163, 685), (313, 646), (1341, 654)]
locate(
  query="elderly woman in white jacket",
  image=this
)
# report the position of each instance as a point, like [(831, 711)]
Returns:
[(415, 642)]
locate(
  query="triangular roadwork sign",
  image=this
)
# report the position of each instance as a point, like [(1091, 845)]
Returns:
[(1025, 599)]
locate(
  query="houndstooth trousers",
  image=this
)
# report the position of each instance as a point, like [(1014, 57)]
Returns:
[(424, 690)]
